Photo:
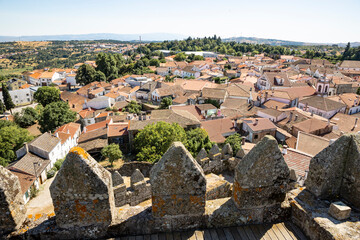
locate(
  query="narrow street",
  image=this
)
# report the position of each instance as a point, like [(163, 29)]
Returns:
[(42, 203)]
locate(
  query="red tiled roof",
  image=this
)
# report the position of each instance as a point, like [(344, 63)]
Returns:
[(216, 128), (97, 125), (298, 161)]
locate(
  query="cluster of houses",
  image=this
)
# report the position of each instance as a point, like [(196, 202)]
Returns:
[(304, 103)]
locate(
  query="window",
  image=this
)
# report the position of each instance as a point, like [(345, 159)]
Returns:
[(256, 136)]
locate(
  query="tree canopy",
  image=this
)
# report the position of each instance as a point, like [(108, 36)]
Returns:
[(27, 117), (133, 107), (112, 152), (12, 138), (165, 103), (7, 98), (154, 140), (196, 140), (235, 142), (85, 74), (46, 95), (55, 115)]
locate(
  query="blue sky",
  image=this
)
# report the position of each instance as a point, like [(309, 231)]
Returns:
[(310, 21)]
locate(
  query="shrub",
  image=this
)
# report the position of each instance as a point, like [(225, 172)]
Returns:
[(50, 173), (58, 164), (33, 192)]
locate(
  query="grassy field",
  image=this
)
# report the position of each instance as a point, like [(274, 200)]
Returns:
[(17, 71)]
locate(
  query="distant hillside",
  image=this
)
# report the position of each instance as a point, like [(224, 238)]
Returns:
[(97, 36), (277, 42)]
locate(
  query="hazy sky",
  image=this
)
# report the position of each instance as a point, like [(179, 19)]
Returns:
[(306, 20)]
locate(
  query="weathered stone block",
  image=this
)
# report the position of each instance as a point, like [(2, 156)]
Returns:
[(214, 153), (117, 178), (327, 167), (136, 177), (178, 184), (201, 155), (339, 210), (335, 171), (12, 208), (217, 187), (226, 152), (82, 192), (261, 177)]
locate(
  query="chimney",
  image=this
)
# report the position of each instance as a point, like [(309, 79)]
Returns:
[(276, 107), (306, 107), (296, 117), (243, 141), (266, 96), (356, 120), (107, 125), (256, 122), (57, 134), (84, 130)]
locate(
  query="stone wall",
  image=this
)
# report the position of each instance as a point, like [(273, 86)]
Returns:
[(138, 191), (129, 167), (178, 187), (82, 192), (261, 180), (335, 172), (183, 197), (12, 209)]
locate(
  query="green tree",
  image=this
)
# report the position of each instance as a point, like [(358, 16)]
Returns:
[(133, 107), (7, 98), (12, 138), (196, 140), (27, 117), (165, 103), (154, 62), (112, 152), (235, 142), (2, 107), (55, 115), (180, 57), (108, 64), (154, 140), (99, 76), (85, 74), (46, 95)]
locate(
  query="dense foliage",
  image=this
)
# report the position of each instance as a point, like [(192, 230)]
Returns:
[(351, 53), (112, 152), (7, 98), (196, 140), (215, 44), (235, 142), (55, 115), (153, 141), (165, 103), (46, 95), (12, 138), (133, 107), (27, 117)]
